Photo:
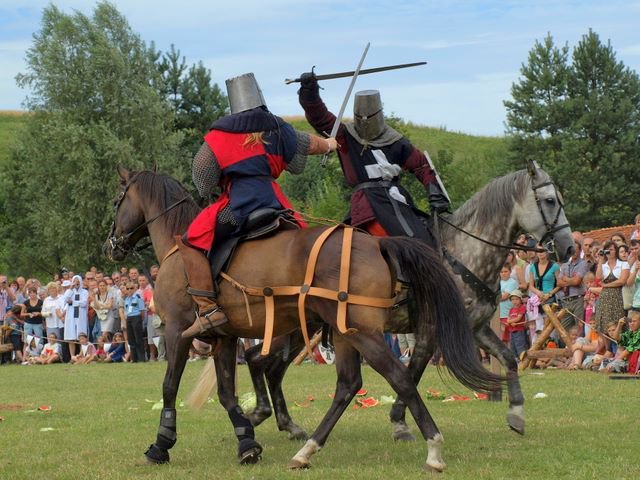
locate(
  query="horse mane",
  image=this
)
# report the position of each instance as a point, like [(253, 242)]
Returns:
[(497, 196), (162, 190)]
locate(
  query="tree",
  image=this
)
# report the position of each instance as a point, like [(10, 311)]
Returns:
[(536, 117), (582, 122), (96, 103)]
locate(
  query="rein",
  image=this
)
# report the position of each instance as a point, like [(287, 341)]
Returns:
[(514, 246)]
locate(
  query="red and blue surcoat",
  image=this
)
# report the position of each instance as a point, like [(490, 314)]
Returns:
[(247, 171)]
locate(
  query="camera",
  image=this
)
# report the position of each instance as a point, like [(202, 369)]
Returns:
[(604, 252)]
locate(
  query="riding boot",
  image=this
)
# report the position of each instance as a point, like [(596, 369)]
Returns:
[(210, 316)]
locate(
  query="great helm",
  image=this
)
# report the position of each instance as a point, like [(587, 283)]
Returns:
[(244, 93), (367, 112)]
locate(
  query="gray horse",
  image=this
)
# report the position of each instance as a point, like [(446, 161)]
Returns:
[(526, 200)]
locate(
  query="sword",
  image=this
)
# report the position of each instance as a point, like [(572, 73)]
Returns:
[(436, 224), (438, 179), (336, 124), (330, 76)]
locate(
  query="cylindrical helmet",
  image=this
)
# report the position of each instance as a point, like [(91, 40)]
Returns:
[(368, 118), (244, 93)]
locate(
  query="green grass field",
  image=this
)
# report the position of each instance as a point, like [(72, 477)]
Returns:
[(102, 423)]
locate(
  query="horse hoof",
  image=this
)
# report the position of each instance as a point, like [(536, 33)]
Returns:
[(296, 433), (403, 436), (516, 423), (298, 464), (156, 455), (435, 467), (249, 452)]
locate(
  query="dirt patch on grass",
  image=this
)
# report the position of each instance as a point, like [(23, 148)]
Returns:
[(11, 406)]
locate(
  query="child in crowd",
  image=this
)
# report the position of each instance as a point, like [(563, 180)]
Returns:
[(628, 342), (590, 300), (87, 353), (51, 353), (32, 349), (534, 317), (606, 353), (584, 348), (100, 352), (517, 324), (115, 350), (507, 285)]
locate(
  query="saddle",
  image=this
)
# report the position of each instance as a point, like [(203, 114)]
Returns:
[(261, 223)]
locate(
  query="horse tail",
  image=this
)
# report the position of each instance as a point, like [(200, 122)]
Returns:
[(436, 296), (204, 386)]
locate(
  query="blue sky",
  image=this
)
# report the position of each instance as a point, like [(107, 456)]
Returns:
[(474, 48)]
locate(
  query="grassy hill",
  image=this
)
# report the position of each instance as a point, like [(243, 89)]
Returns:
[(426, 138)]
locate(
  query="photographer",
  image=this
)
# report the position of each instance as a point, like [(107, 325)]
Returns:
[(7, 297), (613, 274)]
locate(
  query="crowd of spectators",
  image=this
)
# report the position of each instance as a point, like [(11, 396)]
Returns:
[(599, 287), (97, 317), (93, 317)]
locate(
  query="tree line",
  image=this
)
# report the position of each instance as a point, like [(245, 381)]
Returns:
[(101, 96)]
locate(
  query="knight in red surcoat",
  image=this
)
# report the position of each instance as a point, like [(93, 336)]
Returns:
[(242, 154)]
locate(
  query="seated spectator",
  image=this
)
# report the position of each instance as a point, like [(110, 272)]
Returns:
[(100, 352), (600, 360), (628, 342), (87, 353), (585, 347), (32, 350), (14, 322), (51, 353), (517, 324), (115, 351)]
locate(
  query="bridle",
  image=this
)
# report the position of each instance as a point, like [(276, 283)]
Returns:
[(551, 227), (121, 243)]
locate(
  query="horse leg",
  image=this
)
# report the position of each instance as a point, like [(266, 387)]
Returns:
[(273, 367), (422, 354), (382, 360), (489, 341), (419, 360), (249, 451), (348, 383), (258, 364), (177, 354)]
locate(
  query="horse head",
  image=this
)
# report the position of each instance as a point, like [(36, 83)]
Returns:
[(541, 213), (129, 224)]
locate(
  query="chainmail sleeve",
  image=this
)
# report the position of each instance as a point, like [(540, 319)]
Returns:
[(205, 171), (299, 160)]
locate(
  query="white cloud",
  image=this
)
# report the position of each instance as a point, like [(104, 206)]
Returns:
[(630, 50)]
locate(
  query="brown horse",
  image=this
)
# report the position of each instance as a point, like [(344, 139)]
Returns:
[(158, 206)]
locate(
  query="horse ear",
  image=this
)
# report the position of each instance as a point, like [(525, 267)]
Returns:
[(532, 167), (124, 174)]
